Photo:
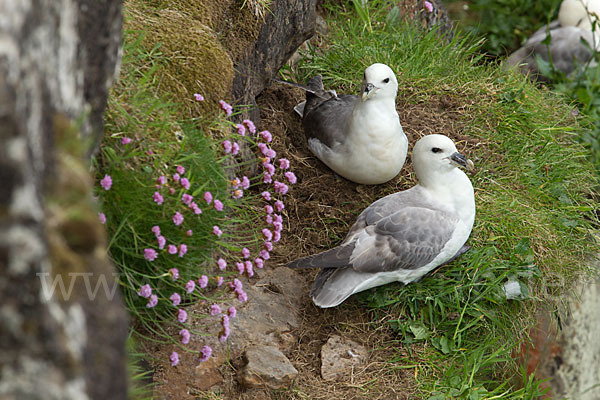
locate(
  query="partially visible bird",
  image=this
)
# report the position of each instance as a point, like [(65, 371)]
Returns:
[(405, 235), (575, 22), (358, 137)]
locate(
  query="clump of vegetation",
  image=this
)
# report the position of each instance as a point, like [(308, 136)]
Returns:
[(182, 225)]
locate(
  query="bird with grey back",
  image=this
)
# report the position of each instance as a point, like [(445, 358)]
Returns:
[(405, 235), (576, 23), (358, 137)]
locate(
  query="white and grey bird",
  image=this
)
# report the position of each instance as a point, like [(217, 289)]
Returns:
[(358, 137), (576, 19), (405, 235)]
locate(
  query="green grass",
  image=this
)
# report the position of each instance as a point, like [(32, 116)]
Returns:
[(535, 201), (162, 140)]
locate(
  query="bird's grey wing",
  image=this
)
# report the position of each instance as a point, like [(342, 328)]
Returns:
[(333, 258), (565, 48), (407, 239), (328, 120)]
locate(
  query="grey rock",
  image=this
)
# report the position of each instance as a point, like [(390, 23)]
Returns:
[(266, 366), (340, 357)]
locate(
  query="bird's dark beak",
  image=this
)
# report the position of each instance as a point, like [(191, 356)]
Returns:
[(368, 90), (462, 161)]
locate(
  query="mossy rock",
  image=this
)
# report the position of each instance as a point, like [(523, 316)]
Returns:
[(195, 60)]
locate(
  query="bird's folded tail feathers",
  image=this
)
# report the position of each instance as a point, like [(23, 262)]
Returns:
[(333, 286), (334, 258)]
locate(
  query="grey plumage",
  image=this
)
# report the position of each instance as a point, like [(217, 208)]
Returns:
[(402, 236)]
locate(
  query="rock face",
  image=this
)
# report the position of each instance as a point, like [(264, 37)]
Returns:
[(62, 324), (340, 356), (567, 355), (266, 366)]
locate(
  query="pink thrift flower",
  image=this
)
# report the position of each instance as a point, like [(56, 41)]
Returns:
[(225, 335), (171, 190), (152, 301), (278, 226), (185, 336), (106, 182), (145, 291), (222, 264), (232, 312), (219, 280), (182, 250), (249, 269), (161, 242), (267, 234), (176, 177), (158, 199), (269, 219), (277, 217), (196, 209), (161, 180), (206, 353), (266, 135), (180, 169), (225, 321), (177, 218), (185, 183), (208, 197), (187, 199), (235, 183), (259, 262), (102, 218), (240, 267), (176, 299), (125, 140), (203, 281), (241, 129), (226, 146), (428, 6), (291, 177), (190, 286), (174, 273), (237, 284), (174, 358), (237, 194), (279, 205), (284, 163), (156, 230), (271, 153), (217, 231), (269, 209), (245, 183), (215, 309), (218, 205), (250, 125), (226, 107), (235, 148), (270, 168), (266, 195), (188, 232), (268, 246), (172, 249), (150, 254), (198, 97), (280, 187), (263, 148), (245, 252), (242, 297), (181, 315), (264, 254), (267, 178), (276, 236), (150, 152)]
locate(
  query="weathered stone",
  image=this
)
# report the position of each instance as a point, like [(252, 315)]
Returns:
[(56, 62), (340, 357), (566, 356), (266, 366)]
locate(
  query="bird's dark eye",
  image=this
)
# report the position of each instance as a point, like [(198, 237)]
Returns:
[(386, 80), (436, 150)]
